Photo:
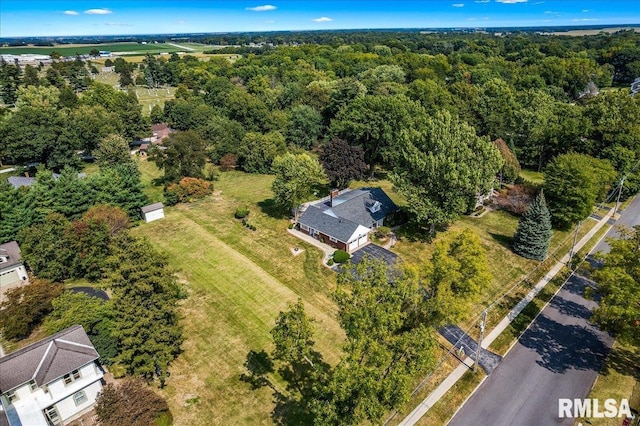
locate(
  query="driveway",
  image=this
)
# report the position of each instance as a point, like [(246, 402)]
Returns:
[(375, 252)]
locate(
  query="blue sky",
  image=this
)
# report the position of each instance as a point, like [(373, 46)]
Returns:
[(110, 17)]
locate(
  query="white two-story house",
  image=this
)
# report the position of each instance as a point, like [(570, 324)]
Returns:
[(50, 382)]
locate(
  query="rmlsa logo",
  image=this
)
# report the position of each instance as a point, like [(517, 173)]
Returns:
[(592, 408)]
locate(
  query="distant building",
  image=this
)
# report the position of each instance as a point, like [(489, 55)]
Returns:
[(635, 86), (160, 132), (50, 382), (12, 271), (19, 181), (152, 212), (28, 58), (104, 54)]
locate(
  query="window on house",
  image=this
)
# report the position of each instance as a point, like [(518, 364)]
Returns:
[(52, 415), (11, 396), (80, 398), (332, 239), (71, 377), (33, 385)]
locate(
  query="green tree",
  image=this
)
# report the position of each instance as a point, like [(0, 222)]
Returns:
[(533, 235), (258, 151), (156, 115), (222, 136), (573, 183), (618, 282), (88, 125), (511, 168), (26, 306), (112, 150), (452, 281), (442, 169), (30, 77), (145, 294), (304, 126), (296, 177), (92, 313), (45, 249), (342, 162), (376, 123), (383, 354), (38, 97), (184, 155), (119, 186)]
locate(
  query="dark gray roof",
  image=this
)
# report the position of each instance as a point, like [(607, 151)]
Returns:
[(18, 181), (352, 205), (151, 207), (12, 251), (340, 229), (47, 359)]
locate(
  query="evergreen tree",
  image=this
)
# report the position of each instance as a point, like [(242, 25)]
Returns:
[(532, 237)]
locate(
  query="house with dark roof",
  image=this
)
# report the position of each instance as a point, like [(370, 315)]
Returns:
[(19, 181), (12, 271), (50, 382), (344, 219)]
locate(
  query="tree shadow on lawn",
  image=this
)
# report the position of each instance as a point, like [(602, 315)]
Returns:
[(504, 240), (258, 364), (272, 209), (624, 361)]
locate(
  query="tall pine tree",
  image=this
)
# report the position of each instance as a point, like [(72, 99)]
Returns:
[(532, 237)]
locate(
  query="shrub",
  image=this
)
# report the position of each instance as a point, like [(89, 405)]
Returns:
[(188, 189), (330, 262), (241, 213), (291, 225), (228, 162), (341, 256), (130, 404), (382, 231)]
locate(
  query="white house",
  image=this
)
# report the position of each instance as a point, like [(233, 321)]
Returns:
[(12, 271), (152, 212), (51, 382)]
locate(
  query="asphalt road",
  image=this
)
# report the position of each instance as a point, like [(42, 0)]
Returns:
[(559, 356)]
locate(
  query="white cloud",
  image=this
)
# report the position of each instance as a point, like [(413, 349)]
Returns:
[(458, 5), (269, 21), (472, 19), (512, 1), (71, 12), (585, 11), (98, 12), (483, 1), (263, 8), (181, 22), (322, 19), (118, 24), (584, 20)]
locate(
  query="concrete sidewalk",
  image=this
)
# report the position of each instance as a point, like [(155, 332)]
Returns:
[(327, 249), (451, 380)]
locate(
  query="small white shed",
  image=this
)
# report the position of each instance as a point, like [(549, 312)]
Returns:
[(152, 212)]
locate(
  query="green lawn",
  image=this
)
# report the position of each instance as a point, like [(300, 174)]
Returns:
[(533, 177), (237, 280), (619, 378)]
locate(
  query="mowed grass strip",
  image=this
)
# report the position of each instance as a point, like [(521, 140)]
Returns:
[(238, 280), (231, 307)]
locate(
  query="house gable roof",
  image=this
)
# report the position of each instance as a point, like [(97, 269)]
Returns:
[(322, 221), (151, 207), (47, 359), (350, 210), (10, 251)]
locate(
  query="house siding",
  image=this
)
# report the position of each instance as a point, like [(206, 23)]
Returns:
[(28, 408)]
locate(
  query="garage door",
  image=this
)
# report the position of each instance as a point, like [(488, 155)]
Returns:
[(9, 278), (353, 245), (362, 240)]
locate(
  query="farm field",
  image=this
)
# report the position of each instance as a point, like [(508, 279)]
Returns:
[(237, 280), (83, 49)]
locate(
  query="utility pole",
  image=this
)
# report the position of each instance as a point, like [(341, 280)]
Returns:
[(479, 348), (615, 209), (573, 246)]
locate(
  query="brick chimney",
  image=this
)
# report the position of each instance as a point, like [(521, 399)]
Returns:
[(332, 194)]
